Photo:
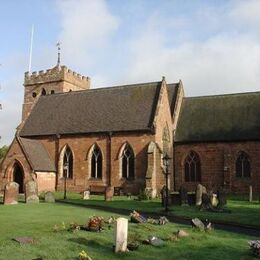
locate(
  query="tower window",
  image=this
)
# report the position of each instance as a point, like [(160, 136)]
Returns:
[(243, 168), (43, 92), (52, 91), (34, 94), (192, 167)]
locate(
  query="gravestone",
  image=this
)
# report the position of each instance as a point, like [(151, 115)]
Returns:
[(206, 205), (250, 193), (109, 193), (49, 197), (214, 200), (11, 193), (199, 191), (197, 223), (221, 198), (183, 196), (86, 195), (121, 229), (31, 192)]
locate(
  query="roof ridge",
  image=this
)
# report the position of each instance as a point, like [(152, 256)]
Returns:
[(224, 95), (104, 88)]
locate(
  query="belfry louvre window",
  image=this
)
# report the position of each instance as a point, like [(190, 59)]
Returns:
[(96, 163), (243, 168), (192, 168), (128, 162), (68, 164)]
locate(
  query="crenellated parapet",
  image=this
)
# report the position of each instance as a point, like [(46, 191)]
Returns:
[(56, 74)]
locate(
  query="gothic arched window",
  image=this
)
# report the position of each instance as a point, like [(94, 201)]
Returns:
[(243, 168), (68, 164), (192, 167), (128, 162), (96, 163)]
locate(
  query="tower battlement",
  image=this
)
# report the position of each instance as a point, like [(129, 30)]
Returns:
[(59, 79), (56, 74)]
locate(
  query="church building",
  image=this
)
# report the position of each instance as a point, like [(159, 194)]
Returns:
[(116, 137)]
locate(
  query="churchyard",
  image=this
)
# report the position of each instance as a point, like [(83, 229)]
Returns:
[(58, 230)]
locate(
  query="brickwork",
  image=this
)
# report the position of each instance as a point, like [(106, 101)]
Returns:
[(14, 155), (218, 165)]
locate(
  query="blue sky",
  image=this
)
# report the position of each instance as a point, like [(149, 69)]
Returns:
[(212, 46)]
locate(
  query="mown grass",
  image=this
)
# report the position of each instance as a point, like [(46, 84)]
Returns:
[(242, 211), (37, 221)]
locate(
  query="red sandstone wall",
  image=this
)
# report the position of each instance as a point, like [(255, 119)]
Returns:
[(80, 146), (14, 154), (215, 166)]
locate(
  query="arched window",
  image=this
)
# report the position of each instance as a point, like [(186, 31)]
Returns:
[(52, 91), (128, 162), (43, 92), (68, 164), (192, 167), (243, 169), (96, 163)]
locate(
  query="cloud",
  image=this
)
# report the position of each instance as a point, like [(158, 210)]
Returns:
[(246, 13), (86, 25), (224, 61)]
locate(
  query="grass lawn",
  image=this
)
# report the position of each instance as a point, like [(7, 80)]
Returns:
[(37, 221), (242, 212)]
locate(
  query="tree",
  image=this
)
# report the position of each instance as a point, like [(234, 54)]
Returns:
[(3, 151)]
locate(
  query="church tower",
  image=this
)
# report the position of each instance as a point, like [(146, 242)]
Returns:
[(56, 80)]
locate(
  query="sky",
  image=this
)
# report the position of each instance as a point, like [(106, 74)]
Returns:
[(212, 46)]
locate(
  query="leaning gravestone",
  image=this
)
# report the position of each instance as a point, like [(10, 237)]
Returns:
[(11, 193), (199, 191), (49, 197), (197, 223), (31, 192), (121, 235)]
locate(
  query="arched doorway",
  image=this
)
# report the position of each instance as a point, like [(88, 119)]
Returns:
[(18, 176)]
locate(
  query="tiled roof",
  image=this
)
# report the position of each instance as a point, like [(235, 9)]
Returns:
[(122, 108), (37, 155), (220, 118)]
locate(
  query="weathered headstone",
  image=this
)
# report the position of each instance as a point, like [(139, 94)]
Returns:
[(214, 200), (11, 193), (109, 193), (86, 195), (121, 229), (199, 191), (197, 223), (31, 192), (221, 198), (183, 196), (49, 197), (205, 202), (250, 193)]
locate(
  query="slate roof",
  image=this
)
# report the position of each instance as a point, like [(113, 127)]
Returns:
[(122, 108), (219, 118), (37, 155)]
